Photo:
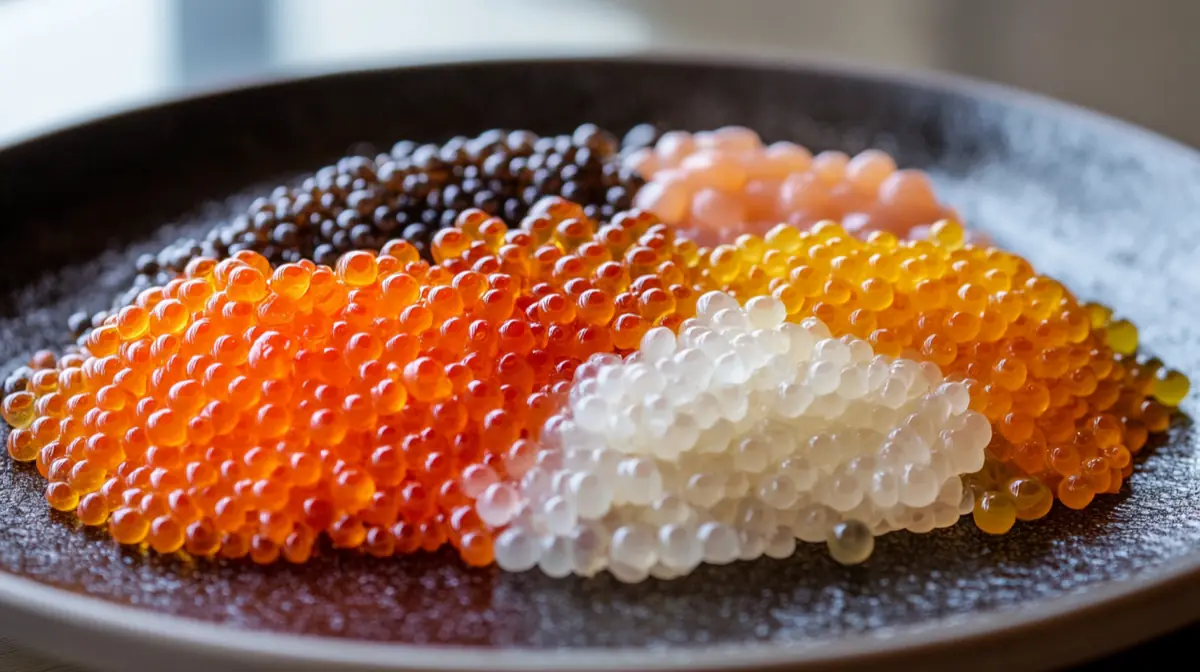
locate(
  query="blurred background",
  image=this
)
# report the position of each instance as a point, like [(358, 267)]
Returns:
[(62, 60)]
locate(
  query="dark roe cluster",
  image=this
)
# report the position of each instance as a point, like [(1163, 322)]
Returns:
[(410, 192)]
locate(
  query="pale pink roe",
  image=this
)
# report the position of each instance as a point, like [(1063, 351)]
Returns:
[(716, 185)]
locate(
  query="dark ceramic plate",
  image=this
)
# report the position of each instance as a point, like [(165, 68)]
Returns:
[(1106, 207)]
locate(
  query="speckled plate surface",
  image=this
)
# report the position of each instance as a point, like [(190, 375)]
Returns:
[(1107, 208)]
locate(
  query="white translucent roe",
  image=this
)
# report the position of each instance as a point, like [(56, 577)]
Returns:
[(732, 440)]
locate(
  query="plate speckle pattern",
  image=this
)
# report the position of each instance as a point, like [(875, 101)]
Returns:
[(1106, 209)]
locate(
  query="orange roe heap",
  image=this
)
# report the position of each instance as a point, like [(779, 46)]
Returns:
[(245, 410)]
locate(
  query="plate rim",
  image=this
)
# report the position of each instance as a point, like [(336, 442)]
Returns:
[(1168, 584), (903, 647)]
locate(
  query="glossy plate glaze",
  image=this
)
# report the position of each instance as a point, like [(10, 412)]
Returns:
[(1107, 208)]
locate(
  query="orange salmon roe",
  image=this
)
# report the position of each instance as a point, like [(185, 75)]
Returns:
[(348, 402)]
